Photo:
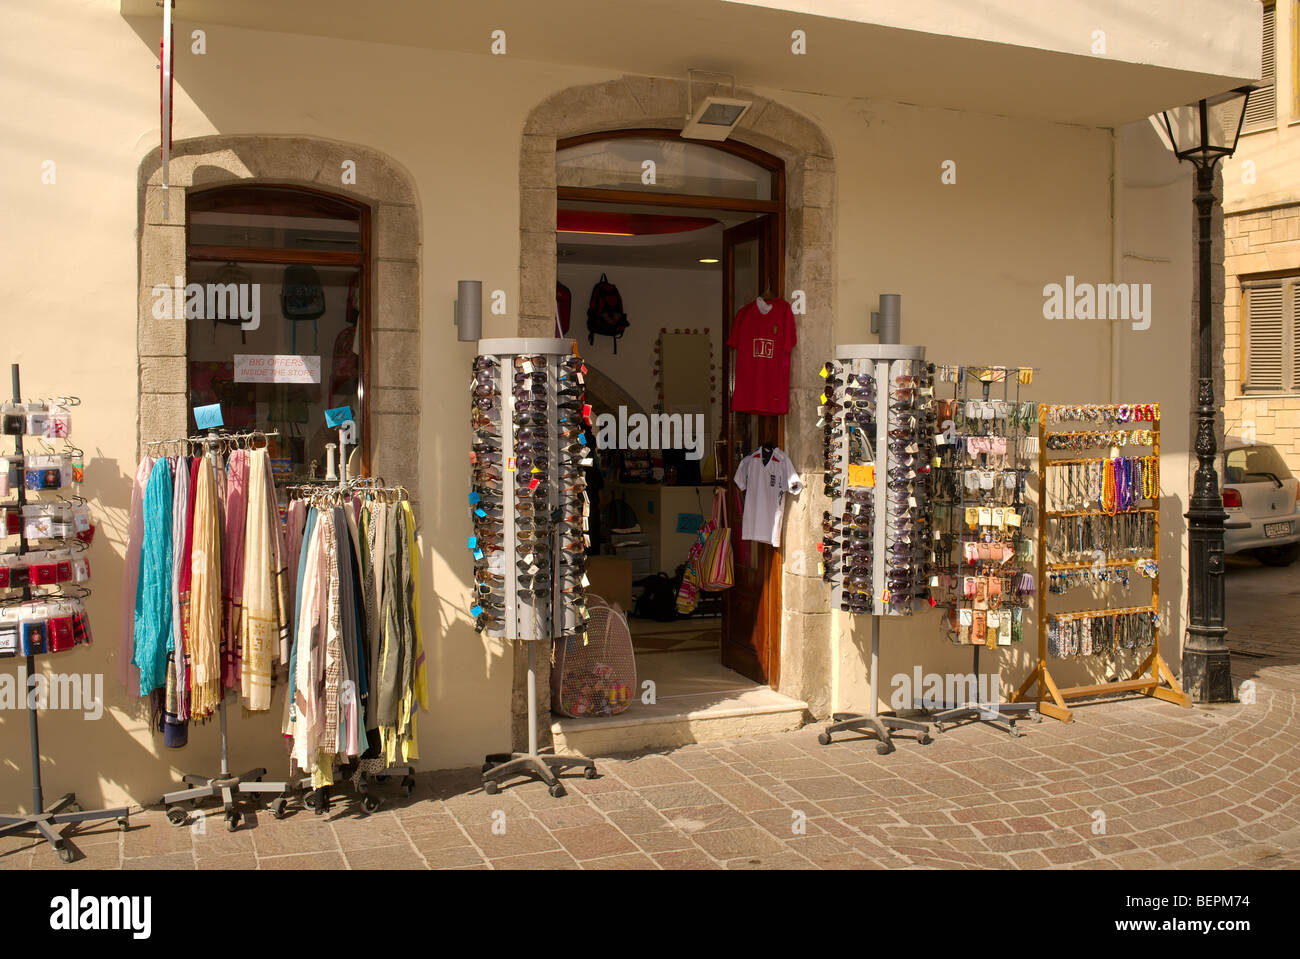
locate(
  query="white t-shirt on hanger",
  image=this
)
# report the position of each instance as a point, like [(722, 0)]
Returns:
[(765, 485)]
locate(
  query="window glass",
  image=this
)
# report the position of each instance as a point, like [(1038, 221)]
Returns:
[(678, 167), (274, 310), (1253, 464)]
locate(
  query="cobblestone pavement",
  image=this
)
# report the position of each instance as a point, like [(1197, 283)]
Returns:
[(1209, 787)]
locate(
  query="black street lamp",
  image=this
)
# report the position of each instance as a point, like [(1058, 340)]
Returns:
[(1204, 133)]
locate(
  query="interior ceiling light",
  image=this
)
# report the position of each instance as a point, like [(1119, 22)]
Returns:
[(708, 259), (715, 117)]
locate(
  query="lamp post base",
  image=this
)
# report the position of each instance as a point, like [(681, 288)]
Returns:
[(1207, 676)]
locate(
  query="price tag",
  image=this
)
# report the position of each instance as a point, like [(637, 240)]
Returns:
[(208, 417)]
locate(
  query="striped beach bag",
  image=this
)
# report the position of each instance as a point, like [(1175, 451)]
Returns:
[(713, 565)]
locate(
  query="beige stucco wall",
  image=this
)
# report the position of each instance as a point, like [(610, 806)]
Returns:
[(1030, 205)]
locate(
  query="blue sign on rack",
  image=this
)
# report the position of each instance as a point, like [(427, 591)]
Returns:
[(338, 416), (208, 417)]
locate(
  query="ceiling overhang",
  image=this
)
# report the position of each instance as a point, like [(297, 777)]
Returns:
[(1067, 61)]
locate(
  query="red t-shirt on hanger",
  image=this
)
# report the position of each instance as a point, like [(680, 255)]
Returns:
[(763, 340)]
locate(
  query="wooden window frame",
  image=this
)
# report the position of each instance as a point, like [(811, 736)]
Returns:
[(288, 199)]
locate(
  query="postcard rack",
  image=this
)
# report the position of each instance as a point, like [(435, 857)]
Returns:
[(1101, 526)]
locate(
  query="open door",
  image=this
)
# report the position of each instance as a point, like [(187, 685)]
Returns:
[(751, 612)]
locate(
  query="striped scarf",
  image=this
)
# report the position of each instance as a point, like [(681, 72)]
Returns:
[(232, 561), (262, 597)]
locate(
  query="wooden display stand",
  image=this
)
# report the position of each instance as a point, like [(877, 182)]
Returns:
[(1149, 678)]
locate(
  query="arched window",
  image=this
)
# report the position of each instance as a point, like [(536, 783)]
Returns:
[(275, 300)]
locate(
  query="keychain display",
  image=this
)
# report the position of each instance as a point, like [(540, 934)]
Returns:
[(983, 527)]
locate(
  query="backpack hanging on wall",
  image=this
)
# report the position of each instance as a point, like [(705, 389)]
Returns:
[(302, 298), (605, 316)]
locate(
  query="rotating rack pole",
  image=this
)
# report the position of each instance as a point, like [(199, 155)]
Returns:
[(40, 818), (879, 360), (991, 713), (222, 786), (526, 621)]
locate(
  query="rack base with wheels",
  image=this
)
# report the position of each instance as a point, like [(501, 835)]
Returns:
[(65, 811), (880, 725), (499, 767), (367, 772), (992, 713), (223, 786)]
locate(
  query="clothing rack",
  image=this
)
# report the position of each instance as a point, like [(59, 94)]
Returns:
[(1153, 673), (992, 713), (64, 810), (367, 770), (223, 785)]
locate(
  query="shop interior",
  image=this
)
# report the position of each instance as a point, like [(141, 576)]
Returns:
[(647, 504)]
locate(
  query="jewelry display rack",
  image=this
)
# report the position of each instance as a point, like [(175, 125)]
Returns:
[(64, 810), (965, 439), (891, 586), (508, 395), (224, 785), (1124, 420)]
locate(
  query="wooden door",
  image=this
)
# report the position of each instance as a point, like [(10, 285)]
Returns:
[(751, 612)]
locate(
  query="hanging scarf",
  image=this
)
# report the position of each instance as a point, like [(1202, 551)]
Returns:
[(152, 626), (128, 674), (334, 666), (295, 521), (232, 561), (403, 746), (260, 626), (372, 589), (204, 638), (300, 566), (308, 657), (351, 685)]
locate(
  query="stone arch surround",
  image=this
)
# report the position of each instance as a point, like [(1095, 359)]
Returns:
[(649, 102), (394, 308)]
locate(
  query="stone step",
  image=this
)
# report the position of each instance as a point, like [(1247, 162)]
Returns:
[(678, 720)]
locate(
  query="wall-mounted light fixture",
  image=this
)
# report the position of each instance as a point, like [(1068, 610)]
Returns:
[(469, 310), (714, 117)]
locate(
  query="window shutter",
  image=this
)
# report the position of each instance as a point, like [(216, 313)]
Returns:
[(1294, 289), (1261, 108), (1264, 329)]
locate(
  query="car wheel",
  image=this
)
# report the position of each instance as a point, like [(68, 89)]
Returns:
[(1279, 555)]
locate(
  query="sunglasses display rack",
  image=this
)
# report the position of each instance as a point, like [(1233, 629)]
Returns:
[(877, 414), (983, 526), (1099, 485), (531, 441), (33, 640)]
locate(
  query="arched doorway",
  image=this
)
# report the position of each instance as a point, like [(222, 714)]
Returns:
[(801, 264)]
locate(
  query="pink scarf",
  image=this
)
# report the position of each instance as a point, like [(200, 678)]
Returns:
[(232, 573)]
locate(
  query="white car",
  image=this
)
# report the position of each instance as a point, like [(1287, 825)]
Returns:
[(1260, 498)]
